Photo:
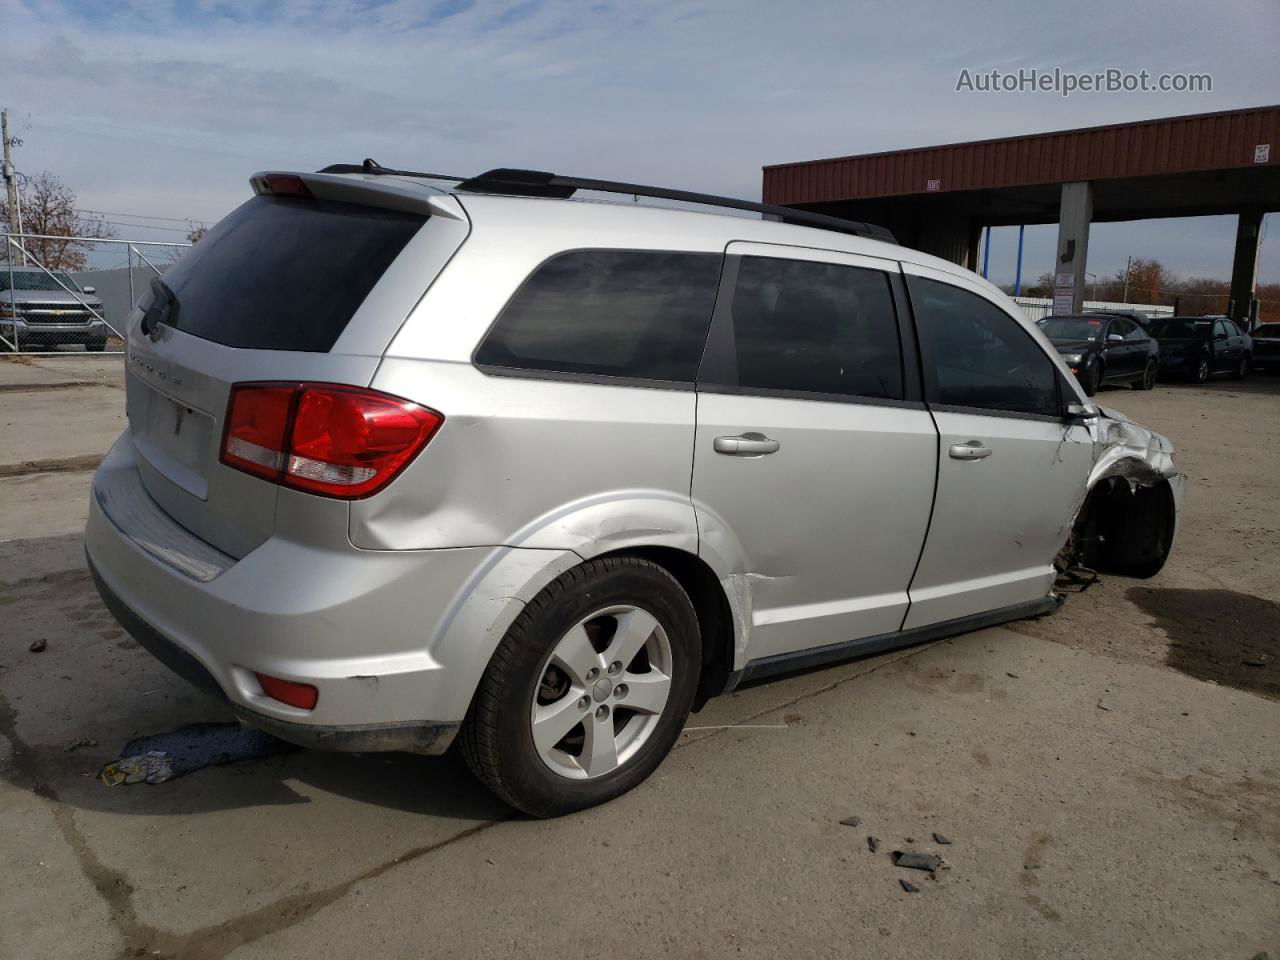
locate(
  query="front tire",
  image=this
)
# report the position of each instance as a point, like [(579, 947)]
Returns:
[(1148, 381), (1092, 378), (1201, 374), (589, 689)]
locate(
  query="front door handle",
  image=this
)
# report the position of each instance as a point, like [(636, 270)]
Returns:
[(971, 450), (746, 445)]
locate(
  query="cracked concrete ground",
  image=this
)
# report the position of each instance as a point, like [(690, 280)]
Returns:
[(1107, 790)]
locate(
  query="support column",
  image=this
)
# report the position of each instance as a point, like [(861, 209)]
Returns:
[(1075, 213), (1244, 268)]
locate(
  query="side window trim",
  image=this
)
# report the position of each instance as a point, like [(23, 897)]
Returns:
[(718, 372)]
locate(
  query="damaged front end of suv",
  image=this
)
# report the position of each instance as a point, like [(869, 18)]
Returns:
[(1128, 518)]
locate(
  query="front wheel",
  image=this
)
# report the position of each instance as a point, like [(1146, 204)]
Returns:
[(1092, 378), (589, 689), (1148, 381)]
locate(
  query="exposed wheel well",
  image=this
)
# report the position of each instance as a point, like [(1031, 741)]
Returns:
[(715, 619), (1125, 529)]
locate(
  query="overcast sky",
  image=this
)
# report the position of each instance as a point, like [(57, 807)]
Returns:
[(162, 108)]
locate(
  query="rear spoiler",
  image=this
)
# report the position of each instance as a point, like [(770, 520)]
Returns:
[(371, 191)]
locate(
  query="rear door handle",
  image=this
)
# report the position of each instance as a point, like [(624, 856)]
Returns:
[(970, 450), (746, 445)]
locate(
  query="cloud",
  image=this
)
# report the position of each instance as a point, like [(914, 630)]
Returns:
[(166, 106)]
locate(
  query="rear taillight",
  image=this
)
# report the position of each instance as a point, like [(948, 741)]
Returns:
[(337, 441)]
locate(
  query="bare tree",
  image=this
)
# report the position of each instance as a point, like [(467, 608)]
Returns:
[(195, 231), (48, 208)]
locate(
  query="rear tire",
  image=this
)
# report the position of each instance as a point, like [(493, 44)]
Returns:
[(556, 670)]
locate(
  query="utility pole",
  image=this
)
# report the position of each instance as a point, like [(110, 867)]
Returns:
[(1127, 264), (11, 187)]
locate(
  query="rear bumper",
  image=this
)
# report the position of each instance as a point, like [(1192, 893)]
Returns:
[(413, 736), (395, 642)]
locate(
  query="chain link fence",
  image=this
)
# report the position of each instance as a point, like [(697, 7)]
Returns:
[(63, 294)]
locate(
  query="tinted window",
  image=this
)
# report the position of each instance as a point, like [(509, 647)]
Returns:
[(1223, 329), (1121, 328), (814, 327), (978, 354), (619, 313), (285, 273), (1179, 328), (1267, 330), (1135, 332)]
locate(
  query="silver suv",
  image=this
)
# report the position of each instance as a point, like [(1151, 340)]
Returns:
[(411, 460)]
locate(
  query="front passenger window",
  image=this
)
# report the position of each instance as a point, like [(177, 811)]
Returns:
[(976, 355)]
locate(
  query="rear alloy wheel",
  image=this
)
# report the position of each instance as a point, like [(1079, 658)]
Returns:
[(1201, 374), (1242, 371), (589, 689), (1148, 381)]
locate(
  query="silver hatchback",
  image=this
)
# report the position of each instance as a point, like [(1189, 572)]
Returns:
[(411, 460)]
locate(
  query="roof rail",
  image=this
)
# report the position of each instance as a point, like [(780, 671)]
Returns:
[(538, 183)]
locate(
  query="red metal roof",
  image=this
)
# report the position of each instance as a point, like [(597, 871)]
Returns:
[(1200, 142)]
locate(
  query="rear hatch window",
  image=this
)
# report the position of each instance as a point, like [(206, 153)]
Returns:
[(285, 273)]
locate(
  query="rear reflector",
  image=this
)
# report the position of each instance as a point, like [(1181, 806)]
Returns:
[(329, 439), (300, 695)]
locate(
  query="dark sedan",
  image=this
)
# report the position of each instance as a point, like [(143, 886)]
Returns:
[(1101, 348), (1266, 347), (1196, 348)]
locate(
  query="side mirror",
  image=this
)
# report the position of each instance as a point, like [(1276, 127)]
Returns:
[(1114, 337), (90, 290), (1075, 410)]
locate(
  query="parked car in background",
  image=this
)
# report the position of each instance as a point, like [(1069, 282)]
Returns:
[(411, 460), (41, 310), (1196, 348), (1266, 347), (1104, 348)]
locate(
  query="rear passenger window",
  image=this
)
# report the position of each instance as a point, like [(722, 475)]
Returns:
[(617, 313), (976, 355), (814, 327)]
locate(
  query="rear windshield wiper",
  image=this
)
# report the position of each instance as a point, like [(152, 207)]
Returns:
[(163, 308)]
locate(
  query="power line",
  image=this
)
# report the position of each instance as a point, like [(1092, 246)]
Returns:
[(135, 216)]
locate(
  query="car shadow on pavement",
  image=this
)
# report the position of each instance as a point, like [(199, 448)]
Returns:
[(75, 688)]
